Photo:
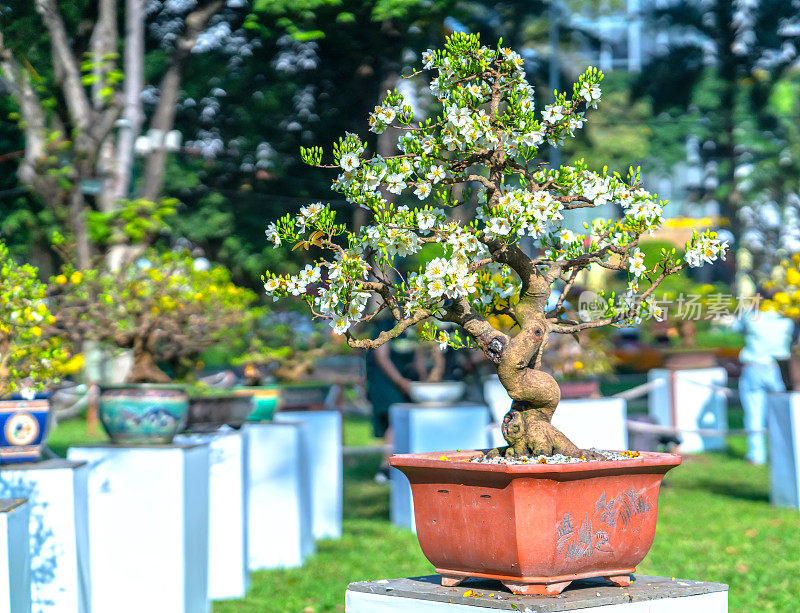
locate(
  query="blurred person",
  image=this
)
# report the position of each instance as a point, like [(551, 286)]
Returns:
[(387, 383), (767, 339)]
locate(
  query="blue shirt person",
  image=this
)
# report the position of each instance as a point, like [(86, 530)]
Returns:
[(767, 339)]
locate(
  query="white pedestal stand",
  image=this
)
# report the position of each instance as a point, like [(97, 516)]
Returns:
[(422, 428), (148, 512), (699, 405), (59, 531), (592, 422), (279, 516), (323, 432), (15, 556), (783, 425), (228, 576)]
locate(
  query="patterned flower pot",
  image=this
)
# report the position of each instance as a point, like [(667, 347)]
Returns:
[(209, 413), (143, 414), (24, 425), (535, 527), (263, 398)]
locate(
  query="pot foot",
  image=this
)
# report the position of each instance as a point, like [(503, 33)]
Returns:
[(620, 580), (452, 580), (537, 589)]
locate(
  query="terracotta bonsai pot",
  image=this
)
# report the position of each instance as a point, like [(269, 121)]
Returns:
[(535, 527)]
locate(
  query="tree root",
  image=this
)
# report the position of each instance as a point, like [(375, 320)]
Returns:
[(529, 433)]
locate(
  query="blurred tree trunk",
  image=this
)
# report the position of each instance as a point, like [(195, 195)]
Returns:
[(73, 160), (164, 116)]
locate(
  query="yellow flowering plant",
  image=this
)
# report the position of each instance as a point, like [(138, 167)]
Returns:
[(786, 299), (32, 354), (163, 306)]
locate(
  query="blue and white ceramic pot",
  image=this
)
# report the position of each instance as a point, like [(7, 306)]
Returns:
[(143, 414), (24, 425)]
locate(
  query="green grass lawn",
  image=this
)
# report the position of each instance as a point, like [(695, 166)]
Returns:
[(715, 523)]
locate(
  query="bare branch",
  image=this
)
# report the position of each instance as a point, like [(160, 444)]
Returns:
[(387, 335)]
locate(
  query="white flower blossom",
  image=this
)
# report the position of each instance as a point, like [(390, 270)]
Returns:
[(272, 234), (349, 161), (423, 190), (553, 113), (435, 174), (637, 266)]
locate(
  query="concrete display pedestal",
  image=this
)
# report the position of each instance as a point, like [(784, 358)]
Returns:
[(148, 514), (783, 424), (591, 422), (645, 595), (227, 512), (59, 531), (698, 405), (594, 422), (279, 517), (323, 435), (15, 556), (422, 428)]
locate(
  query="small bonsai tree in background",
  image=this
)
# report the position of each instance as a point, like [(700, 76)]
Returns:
[(582, 356), (487, 137), (31, 356), (284, 345), (162, 307)]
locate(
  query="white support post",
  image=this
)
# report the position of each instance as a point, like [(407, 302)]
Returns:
[(279, 516), (783, 424), (15, 556), (698, 404), (148, 511), (323, 437), (228, 576), (59, 531), (423, 428)]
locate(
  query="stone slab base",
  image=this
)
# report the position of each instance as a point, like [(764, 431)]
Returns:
[(644, 595)]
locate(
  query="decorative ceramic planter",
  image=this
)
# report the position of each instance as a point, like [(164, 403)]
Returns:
[(535, 527), (209, 413), (143, 414), (309, 395), (24, 425), (426, 392), (264, 400)]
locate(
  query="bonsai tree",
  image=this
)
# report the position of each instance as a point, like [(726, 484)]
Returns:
[(586, 355), (31, 356), (485, 140), (284, 345), (163, 307)]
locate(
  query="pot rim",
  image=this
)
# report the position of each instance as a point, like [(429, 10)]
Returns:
[(455, 462), (434, 383), (144, 386)]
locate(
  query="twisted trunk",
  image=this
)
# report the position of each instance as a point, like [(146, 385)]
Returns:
[(535, 393), (145, 369)]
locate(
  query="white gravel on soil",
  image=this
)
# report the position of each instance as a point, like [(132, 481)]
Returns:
[(549, 459)]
